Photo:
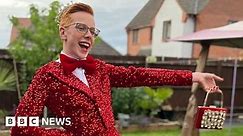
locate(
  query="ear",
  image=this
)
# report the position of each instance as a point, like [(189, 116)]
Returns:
[(62, 33)]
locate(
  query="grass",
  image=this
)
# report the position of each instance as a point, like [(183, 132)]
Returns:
[(154, 133), (236, 131), (4, 133)]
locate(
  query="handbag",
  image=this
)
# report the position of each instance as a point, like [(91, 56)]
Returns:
[(211, 117)]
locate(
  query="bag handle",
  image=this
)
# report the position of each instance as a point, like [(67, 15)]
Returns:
[(206, 99)]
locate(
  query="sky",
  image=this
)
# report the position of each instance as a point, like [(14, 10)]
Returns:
[(112, 16)]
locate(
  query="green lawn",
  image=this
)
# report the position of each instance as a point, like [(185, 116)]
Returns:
[(4, 134), (237, 131)]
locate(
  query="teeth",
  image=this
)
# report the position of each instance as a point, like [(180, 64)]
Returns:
[(84, 44)]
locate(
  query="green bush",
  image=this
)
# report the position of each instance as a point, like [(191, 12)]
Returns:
[(7, 77), (126, 100), (138, 101), (153, 98)]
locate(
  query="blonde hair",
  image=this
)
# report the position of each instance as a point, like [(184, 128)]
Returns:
[(64, 15)]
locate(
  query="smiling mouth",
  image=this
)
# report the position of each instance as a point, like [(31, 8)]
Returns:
[(84, 45)]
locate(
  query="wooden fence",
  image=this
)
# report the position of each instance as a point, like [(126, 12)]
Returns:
[(181, 95)]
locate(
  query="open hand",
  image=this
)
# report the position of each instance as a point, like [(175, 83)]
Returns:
[(207, 81)]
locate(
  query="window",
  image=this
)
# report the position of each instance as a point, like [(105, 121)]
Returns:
[(166, 31), (151, 33), (135, 36)]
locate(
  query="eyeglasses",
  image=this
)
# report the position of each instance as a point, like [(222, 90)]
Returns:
[(83, 28)]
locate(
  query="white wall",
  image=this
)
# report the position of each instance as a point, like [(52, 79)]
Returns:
[(170, 10)]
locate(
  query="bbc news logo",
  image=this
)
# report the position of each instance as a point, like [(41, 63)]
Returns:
[(11, 121)]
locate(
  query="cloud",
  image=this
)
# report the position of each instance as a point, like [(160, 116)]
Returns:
[(5, 27), (114, 20), (111, 16)]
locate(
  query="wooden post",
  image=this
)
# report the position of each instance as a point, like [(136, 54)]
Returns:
[(188, 128), (17, 79)]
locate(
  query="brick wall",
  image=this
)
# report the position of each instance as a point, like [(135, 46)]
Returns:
[(143, 41), (218, 13)]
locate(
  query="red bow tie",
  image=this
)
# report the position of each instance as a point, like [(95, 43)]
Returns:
[(70, 64)]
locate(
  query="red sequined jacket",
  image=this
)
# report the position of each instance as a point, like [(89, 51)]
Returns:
[(88, 107)]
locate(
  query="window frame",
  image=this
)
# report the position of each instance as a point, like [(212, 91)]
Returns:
[(166, 30)]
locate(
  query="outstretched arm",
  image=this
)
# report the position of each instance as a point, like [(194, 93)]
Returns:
[(132, 77)]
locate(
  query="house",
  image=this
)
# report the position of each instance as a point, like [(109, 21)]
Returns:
[(103, 48), (149, 31), (25, 22), (100, 48)]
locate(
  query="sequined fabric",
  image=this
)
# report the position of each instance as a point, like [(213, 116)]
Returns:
[(88, 107), (213, 119)]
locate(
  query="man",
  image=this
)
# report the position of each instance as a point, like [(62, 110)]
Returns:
[(78, 86)]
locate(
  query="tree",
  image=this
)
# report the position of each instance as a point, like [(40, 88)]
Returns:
[(39, 43)]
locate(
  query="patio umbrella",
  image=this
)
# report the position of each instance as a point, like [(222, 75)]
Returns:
[(229, 36)]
